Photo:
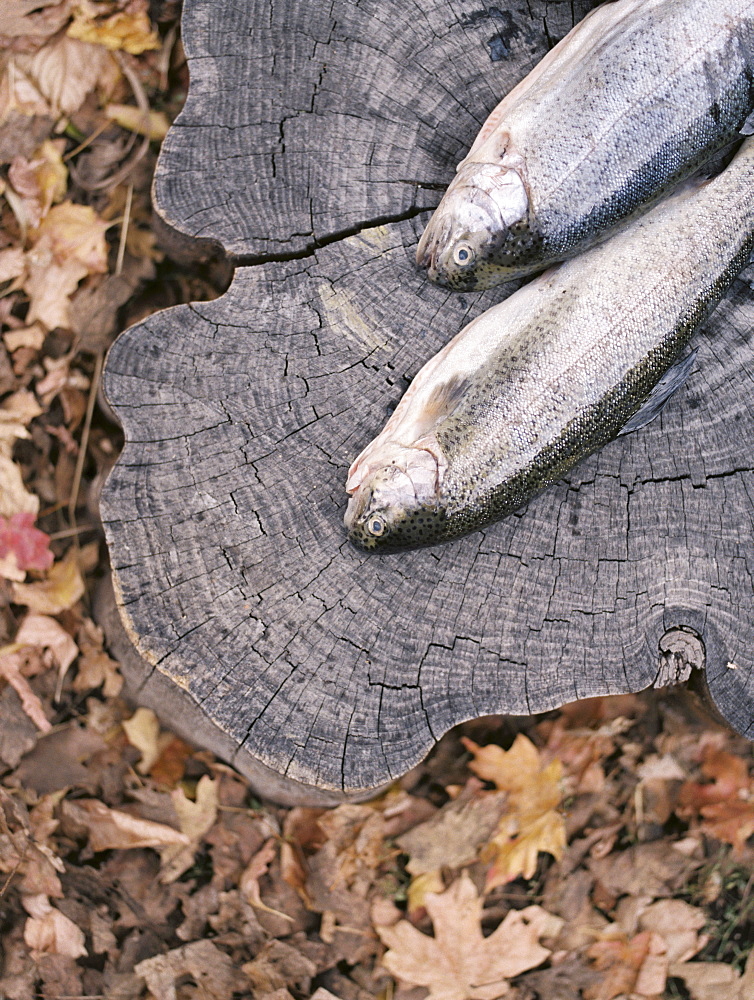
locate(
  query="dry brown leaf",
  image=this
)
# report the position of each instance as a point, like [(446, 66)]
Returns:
[(530, 824), (14, 497), (211, 969), (65, 70), (131, 32), (96, 668), (143, 732), (11, 663), (708, 980), (458, 963), (453, 835), (678, 923), (36, 19), (12, 265), (69, 245), (26, 336), (40, 182), (248, 884), (112, 829), (196, 818), (623, 962), (50, 932), (62, 588)]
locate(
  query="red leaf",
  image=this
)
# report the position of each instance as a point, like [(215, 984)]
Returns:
[(30, 546)]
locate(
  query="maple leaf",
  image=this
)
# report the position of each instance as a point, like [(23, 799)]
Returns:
[(458, 963), (531, 823)]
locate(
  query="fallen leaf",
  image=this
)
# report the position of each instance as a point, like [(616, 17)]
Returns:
[(458, 963), (112, 829), (23, 545), (143, 732), (95, 667), (211, 969), (12, 265), (155, 124), (453, 835), (624, 962), (196, 818), (26, 336), (11, 663), (14, 497), (530, 824), (65, 70), (40, 181), (678, 923), (69, 245), (708, 980), (131, 32), (37, 19), (62, 588), (43, 631), (277, 966), (652, 870), (50, 932)]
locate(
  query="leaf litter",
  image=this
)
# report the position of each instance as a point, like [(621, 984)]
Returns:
[(601, 852)]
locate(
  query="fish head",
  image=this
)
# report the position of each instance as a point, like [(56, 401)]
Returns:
[(396, 505), (466, 244)]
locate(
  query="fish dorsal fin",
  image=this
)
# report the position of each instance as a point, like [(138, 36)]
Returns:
[(748, 126), (669, 384)]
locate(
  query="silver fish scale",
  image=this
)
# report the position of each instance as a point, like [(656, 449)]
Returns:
[(581, 348), (633, 101), (620, 92)]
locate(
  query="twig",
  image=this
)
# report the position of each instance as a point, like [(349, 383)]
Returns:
[(90, 139), (84, 440), (124, 229)]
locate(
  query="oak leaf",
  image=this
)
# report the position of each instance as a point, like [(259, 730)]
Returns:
[(458, 963), (531, 823), (195, 818)]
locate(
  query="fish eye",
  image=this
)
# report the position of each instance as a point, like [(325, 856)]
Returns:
[(463, 254), (376, 525)]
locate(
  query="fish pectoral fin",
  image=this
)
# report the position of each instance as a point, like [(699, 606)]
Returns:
[(748, 126), (443, 400), (669, 384)]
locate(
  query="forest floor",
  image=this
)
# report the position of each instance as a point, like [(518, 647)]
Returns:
[(597, 852)]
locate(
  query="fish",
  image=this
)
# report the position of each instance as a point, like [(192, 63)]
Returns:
[(553, 372), (631, 102)]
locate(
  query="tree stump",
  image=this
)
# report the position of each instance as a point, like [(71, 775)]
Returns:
[(314, 141)]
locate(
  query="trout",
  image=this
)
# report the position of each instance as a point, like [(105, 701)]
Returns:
[(632, 101), (552, 373)]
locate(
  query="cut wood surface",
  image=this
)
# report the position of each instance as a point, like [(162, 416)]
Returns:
[(245, 616)]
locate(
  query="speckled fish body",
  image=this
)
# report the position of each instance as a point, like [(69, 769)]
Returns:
[(627, 105), (552, 373)]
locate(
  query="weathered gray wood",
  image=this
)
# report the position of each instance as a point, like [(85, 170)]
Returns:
[(257, 627), (305, 120)]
